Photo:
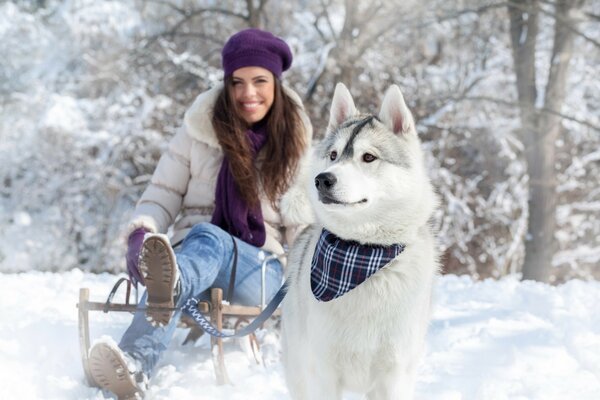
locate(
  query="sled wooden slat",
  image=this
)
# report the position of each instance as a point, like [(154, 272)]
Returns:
[(118, 307), (216, 315), (244, 311), (84, 333)]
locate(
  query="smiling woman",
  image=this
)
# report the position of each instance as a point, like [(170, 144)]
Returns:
[(235, 156)]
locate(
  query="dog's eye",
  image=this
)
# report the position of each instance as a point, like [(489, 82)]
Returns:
[(368, 157), (333, 155)]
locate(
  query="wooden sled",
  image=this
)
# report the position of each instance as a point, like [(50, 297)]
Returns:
[(216, 309)]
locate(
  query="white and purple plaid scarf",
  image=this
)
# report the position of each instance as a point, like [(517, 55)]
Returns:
[(339, 266)]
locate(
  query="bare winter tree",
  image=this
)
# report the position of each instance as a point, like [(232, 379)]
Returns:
[(133, 82), (346, 42), (541, 120)]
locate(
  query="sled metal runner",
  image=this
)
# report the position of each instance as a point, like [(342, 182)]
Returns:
[(216, 309)]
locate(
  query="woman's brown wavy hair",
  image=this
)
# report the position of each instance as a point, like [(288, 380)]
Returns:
[(278, 159)]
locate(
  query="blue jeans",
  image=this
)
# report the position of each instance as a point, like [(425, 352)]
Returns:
[(204, 259)]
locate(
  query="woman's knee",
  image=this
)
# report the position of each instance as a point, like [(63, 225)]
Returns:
[(206, 236), (206, 229)]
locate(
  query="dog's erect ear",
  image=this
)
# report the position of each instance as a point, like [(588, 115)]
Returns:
[(342, 106), (394, 114)]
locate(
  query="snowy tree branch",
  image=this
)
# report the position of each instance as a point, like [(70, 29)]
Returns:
[(543, 109)]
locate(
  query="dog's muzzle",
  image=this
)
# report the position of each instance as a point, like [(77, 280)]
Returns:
[(325, 182)]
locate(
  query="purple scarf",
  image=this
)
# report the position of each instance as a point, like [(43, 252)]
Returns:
[(232, 214)]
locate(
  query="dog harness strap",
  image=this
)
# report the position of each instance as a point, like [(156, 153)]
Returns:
[(191, 308), (339, 266)]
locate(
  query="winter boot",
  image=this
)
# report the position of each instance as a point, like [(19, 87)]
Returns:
[(116, 372), (160, 273)]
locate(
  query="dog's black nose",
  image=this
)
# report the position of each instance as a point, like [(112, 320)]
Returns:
[(325, 181)]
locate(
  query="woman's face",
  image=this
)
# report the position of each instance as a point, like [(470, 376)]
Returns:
[(253, 90)]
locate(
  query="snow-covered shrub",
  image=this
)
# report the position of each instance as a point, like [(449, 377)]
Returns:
[(74, 137)]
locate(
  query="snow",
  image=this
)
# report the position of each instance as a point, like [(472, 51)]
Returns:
[(488, 340)]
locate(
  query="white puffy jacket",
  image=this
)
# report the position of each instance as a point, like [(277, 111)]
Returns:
[(182, 189)]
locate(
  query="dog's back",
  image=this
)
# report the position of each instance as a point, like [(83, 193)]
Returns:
[(370, 190)]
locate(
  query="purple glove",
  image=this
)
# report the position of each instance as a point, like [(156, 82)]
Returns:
[(134, 246)]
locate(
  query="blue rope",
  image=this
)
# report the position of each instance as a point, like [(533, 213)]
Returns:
[(191, 308)]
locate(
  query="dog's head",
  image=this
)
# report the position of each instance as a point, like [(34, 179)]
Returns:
[(369, 183)]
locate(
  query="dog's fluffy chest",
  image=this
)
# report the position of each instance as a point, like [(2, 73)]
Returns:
[(377, 314)]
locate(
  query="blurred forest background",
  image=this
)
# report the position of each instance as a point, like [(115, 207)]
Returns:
[(91, 92)]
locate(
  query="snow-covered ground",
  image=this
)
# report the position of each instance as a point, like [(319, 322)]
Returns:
[(488, 340)]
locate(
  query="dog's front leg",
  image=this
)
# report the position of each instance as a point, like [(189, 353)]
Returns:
[(324, 383), (393, 386)]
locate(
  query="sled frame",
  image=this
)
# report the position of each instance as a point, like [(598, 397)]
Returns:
[(215, 308)]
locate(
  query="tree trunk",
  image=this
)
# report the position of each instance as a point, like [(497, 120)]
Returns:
[(360, 30), (255, 12), (540, 129)]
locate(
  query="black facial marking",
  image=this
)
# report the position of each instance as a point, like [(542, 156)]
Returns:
[(349, 148)]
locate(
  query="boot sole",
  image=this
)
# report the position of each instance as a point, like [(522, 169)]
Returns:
[(110, 372), (157, 263)]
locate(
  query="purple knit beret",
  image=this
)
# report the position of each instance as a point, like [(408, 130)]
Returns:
[(256, 48)]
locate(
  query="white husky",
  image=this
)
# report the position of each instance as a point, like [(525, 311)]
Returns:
[(368, 185)]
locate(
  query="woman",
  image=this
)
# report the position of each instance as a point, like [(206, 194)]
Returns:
[(218, 186)]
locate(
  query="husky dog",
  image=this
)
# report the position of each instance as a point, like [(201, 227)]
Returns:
[(369, 191)]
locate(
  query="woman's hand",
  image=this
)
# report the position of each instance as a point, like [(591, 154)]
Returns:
[(134, 246)]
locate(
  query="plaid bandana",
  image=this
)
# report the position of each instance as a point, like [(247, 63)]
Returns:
[(339, 266)]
